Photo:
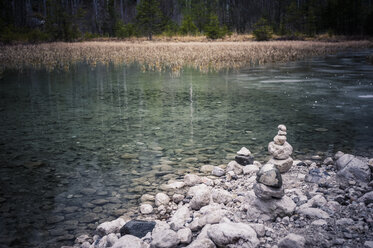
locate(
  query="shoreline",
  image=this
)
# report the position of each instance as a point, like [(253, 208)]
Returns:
[(327, 202), (164, 56)]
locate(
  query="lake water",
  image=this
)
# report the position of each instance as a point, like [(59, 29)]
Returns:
[(80, 147)]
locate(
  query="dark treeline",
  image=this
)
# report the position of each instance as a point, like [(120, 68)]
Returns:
[(47, 20)]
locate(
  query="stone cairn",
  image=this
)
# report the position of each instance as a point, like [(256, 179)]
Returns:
[(269, 180)]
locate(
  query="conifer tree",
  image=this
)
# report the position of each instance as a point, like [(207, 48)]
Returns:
[(149, 17)]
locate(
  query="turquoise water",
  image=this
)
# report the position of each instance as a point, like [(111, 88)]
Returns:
[(80, 147)]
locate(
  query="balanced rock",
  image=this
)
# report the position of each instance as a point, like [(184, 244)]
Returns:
[(244, 152), (265, 192), (269, 175), (244, 160), (279, 139), (280, 151), (281, 127), (283, 165)]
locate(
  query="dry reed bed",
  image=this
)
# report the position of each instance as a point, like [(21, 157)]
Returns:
[(161, 56)]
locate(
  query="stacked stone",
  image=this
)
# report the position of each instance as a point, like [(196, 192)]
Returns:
[(269, 180), (281, 151), (244, 157), (269, 183)]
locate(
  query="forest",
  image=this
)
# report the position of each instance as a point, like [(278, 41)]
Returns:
[(76, 20)]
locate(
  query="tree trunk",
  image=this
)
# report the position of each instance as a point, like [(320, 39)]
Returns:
[(121, 11)]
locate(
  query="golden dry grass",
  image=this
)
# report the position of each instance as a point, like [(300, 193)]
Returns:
[(162, 56)]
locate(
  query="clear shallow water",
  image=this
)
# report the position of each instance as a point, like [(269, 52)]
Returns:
[(80, 147)]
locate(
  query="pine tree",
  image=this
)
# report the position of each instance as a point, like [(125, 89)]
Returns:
[(149, 17)]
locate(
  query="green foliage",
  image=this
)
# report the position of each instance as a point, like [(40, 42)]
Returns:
[(149, 17), (262, 30), (213, 30), (170, 28), (124, 30), (187, 26)]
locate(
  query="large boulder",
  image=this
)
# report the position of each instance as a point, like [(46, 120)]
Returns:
[(280, 151), (292, 241), (201, 198), (230, 233), (110, 226), (352, 168), (138, 228), (179, 218), (272, 207), (163, 237), (161, 199), (269, 175), (129, 241)]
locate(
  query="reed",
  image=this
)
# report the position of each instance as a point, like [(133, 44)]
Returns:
[(161, 56)]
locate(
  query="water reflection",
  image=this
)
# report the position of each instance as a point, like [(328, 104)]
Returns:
[(80, 147)]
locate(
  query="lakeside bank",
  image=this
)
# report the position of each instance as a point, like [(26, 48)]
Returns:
[(321, 202), (163, 56)]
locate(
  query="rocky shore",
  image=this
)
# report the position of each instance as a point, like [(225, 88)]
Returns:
[(323, 202)]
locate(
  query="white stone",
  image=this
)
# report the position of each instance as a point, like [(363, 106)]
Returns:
[(319, 222), (146, 208), (102, 243), (314, 213), (244, 151), (129, 241), (259, 229), (147, 198), (185, 235), (221, 196), (110, 226), (292, 241), (164, 238), (344, 222), (111, 239), (201, 198), (174, 185), (192, 179), (217, 171), (179, 218), (368, 244), (161, 199), (202, 243), (225, 234), (177, 198), (250, 169)]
